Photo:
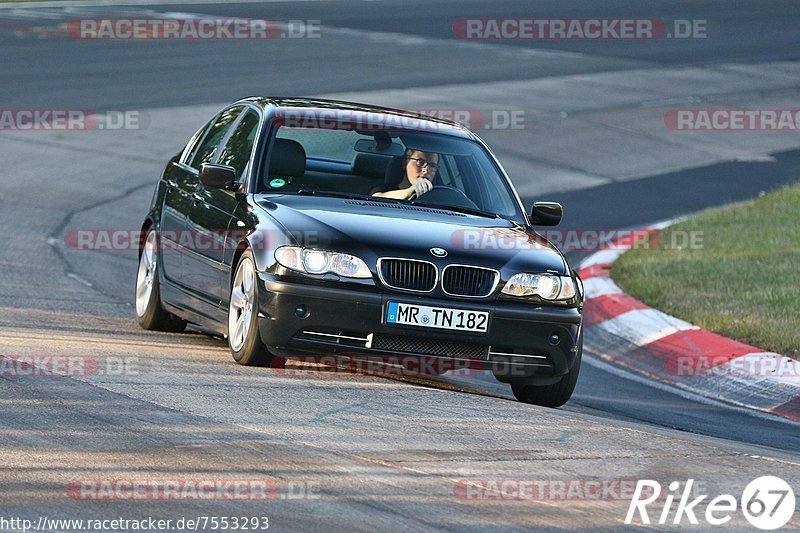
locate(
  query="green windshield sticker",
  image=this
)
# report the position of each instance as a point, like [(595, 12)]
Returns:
[(277, 183)]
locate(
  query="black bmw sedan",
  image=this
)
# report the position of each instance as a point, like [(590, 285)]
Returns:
[(309, 227)]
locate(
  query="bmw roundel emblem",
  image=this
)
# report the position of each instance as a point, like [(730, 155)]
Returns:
[(439, 252)]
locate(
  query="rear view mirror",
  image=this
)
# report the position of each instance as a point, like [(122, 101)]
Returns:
[(375, 146), (217, 176), (546, 213)]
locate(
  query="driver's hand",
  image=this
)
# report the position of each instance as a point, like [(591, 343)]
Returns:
[(422, 186)]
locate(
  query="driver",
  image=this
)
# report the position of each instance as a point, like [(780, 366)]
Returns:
[(420, 169)]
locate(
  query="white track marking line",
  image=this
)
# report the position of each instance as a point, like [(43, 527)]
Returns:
[(677, 390)]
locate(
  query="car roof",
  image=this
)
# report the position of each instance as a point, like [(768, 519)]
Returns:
[(360, 111)]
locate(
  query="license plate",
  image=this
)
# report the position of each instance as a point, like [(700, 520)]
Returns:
[(437, 317)]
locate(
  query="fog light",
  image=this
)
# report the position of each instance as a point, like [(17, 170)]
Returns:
[(301, 311), (554, 339)]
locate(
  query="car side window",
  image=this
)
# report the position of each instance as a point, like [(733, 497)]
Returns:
[(191, 146), (214, 135), (236, 152)]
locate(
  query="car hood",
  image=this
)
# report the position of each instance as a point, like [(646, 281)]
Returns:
[(376, 229)]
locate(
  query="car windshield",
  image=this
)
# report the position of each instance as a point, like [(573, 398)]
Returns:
[(355, 163)]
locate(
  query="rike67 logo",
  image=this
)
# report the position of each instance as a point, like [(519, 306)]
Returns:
[(767, 502)]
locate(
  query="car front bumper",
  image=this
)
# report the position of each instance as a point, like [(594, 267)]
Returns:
[(297, 319)]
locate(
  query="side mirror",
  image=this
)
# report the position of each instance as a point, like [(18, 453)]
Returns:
[(546, 213), (217, 176)]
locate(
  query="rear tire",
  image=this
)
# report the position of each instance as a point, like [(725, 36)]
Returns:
[(244, 339), (554, 395), (149, 312)]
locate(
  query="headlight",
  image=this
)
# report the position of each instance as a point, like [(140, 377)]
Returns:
[(316, 261), (546, 286), (321, 262)]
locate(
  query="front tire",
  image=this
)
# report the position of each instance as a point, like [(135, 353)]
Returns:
[(149, 312), (243, 336), (554, 395)]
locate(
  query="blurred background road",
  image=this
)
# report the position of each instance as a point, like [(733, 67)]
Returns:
[(387, 453)]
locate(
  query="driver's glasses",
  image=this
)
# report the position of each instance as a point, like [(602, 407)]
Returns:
[(424, 163)]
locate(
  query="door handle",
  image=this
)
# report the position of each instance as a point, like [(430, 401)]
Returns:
[(172, 183), (197, 197)]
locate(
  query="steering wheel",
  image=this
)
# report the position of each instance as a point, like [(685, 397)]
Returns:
[(445, 195)]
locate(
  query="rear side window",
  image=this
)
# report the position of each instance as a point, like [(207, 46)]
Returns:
[(236, 152), (214, 135), (334, 145)]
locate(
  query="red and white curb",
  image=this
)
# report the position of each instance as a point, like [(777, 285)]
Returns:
[(672, 351)]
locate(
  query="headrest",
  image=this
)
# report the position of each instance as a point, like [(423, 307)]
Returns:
[(371, 165), (288, 159), (394, 171)]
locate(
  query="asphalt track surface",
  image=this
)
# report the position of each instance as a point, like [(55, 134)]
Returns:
[(371, 451)]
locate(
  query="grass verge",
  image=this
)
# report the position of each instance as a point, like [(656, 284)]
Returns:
[(734, 271)]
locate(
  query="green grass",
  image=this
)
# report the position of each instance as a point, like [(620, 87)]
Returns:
[(742, 282)]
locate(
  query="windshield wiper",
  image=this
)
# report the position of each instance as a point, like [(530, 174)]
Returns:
[(459, 209), (314, 192)]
